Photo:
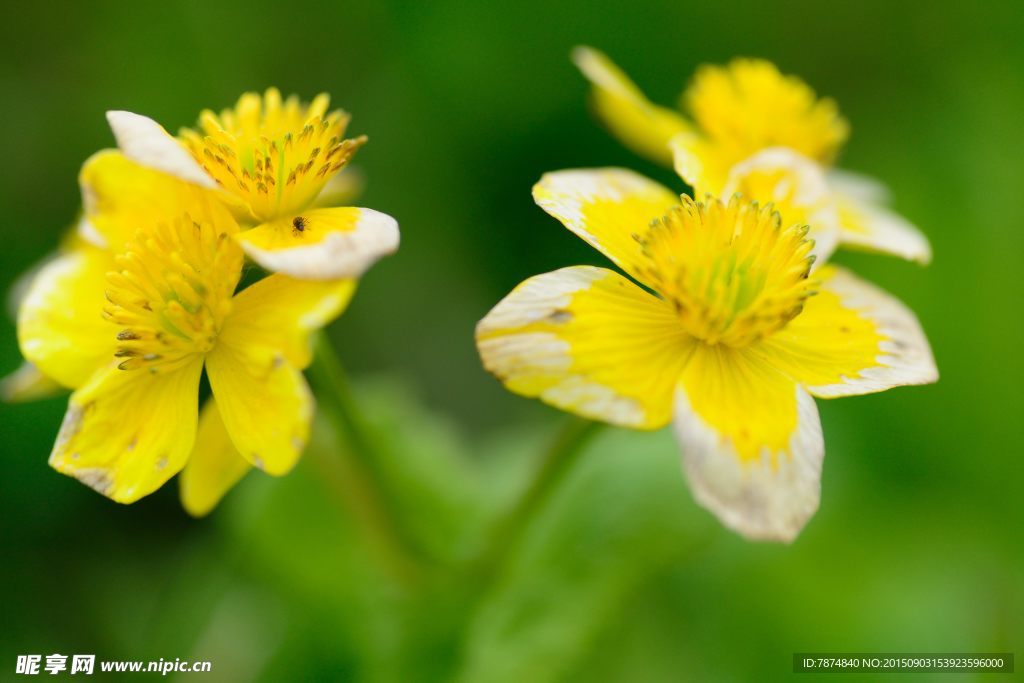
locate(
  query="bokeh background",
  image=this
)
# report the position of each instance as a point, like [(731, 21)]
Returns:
[(918, 543)]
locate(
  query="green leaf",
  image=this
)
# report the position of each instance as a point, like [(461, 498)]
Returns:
[(620, 518), (303, 534)]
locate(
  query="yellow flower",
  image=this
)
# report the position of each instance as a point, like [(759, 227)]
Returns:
[(60, 327), (754, 130), (731, 342), (271, 161), (132, 324)]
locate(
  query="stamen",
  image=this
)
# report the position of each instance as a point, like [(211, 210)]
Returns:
[(265, 149), (731, 272), (171, 293), (749, 106)]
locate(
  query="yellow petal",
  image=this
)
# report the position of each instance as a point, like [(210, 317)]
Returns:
[(145, 142), (280, 312), (27, 384), (265, 403), (256, 369), (588, 341), (323, 244), (608, 208), (751, 442), (798, 189), (120, 196), (695, 161), (61, 329), (127, 432), (214, 466), (867, 224), (641, 125), (22, 284), (852, 338)]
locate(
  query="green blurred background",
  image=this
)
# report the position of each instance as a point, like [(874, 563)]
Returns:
[(917, 545)]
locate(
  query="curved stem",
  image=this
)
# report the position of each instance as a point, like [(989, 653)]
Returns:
[(358, 475), (555, 463)]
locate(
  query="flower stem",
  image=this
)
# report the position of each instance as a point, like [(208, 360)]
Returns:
[(555, 463), (358, 476)]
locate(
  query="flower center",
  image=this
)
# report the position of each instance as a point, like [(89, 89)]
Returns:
[(275, 155), (171, 293), (732, 273), (748, 106)]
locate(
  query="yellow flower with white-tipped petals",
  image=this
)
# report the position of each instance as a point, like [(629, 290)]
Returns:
[(118, 196), (132, 324), (726, 332), (270, 160), (749, 128)]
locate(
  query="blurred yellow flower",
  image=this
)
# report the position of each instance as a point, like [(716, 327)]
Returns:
[(731, 342), (272, 161), (130, 325), (753, 130)]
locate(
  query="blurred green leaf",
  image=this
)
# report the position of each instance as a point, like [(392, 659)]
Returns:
[(623, 517), (299, 532)]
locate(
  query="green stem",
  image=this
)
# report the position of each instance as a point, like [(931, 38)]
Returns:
[(358, 476), (555, 463)]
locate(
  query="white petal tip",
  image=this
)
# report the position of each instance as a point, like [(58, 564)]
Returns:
[(906, 357), (145, 142), (340, 254), (584, 56), (770, 499)]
